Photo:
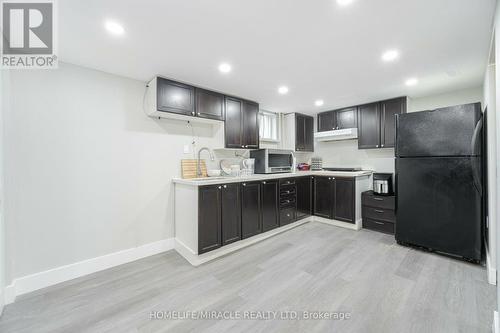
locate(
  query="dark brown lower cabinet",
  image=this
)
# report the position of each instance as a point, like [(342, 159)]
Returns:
[(344, 207), (304, 196), (230, 213), (209, 218), (270, 205), (334, 198), (251, 223), (324, 196)]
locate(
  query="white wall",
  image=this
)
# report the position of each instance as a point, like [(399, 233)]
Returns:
[(86, 171), (3, 103), (346, 153), (470, 95)]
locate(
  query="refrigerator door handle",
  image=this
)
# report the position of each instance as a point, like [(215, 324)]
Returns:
[(476, 155)]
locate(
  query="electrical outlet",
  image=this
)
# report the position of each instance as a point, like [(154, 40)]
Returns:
[(186, 149)]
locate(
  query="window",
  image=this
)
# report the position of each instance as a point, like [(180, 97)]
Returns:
[(268, 126)]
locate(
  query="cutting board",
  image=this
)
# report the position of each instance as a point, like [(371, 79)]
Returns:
[(188, 168)]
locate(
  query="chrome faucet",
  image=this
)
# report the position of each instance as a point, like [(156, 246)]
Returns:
[(198, 165)]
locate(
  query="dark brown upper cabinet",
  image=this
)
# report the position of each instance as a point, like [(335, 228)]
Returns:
[(338, 119), (389, 109), (346, 118), (209, 218), (344, 208), (242, 123), (251, 223), (326, 121), (376, 123), (209, 104), (175, 97), (304, 133), (250, 125), (369, 126), (233, 125)]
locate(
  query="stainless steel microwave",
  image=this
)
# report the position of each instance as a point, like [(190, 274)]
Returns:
[(272, 160)]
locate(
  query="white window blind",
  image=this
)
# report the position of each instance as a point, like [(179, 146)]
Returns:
[(268, 126)]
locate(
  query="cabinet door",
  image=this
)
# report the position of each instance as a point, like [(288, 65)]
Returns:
[(368, 126), (209, 218), (209, 104), (231, 213), (344, 200), (309, 134), (232, 125), (269, 204), (388, 110), (304, 196), (326, 121), (250, 125), (323, 196), (347, 118), (174, 97), (300, 132), (250, 210)]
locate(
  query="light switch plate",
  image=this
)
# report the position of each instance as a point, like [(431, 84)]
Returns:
[(186, 149)]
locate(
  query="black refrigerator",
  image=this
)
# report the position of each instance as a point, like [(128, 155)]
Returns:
[(439, 180)]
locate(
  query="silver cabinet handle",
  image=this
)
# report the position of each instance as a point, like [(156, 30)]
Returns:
[(378, 211), (242, 146), (382, 223), (376, 146), (378, 199), (193, 113), (219, 187), (382, 146), (264, 183), (288, 215), (225, 186), (244, 184)]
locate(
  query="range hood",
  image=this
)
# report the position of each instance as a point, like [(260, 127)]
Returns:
[(336, 135)]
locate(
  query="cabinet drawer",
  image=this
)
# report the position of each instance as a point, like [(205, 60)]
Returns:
[(285, 182), (287, 190), (287, 215), (287, 201), (378, 201), (379, 214), (386, 227)]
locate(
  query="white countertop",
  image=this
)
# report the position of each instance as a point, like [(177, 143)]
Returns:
[(256, 177)]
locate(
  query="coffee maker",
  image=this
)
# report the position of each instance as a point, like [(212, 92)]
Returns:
[(382, 184)]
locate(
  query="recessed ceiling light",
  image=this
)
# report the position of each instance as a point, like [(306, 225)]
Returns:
[(224, 68), (283, 90), (411, 82), (390, 55), (114, 28), (344, 2), (319, 102)]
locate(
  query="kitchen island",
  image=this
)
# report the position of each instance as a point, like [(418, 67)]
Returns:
[(219, 215)]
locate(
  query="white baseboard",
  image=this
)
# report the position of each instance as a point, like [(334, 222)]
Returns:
[(57, 275), (491, 271), (355, 226), (197, 260), (495, 322)]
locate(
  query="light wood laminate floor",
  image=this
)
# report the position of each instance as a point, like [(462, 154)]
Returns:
[(314, 267)]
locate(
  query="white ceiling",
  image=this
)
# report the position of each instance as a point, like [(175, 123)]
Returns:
[(317, 48)]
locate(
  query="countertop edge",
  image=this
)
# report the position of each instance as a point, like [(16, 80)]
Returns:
[(260, 177)]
